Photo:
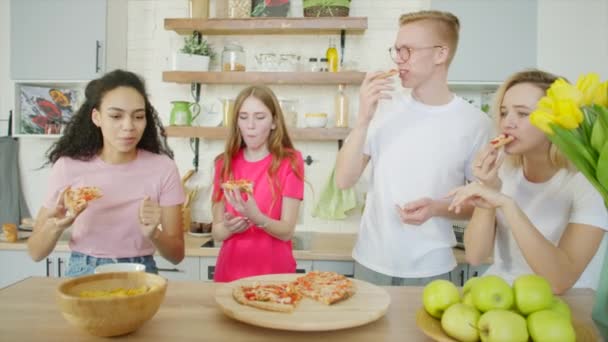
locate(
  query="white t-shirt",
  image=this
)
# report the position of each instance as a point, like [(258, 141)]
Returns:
[(566, 198), (416, 151)]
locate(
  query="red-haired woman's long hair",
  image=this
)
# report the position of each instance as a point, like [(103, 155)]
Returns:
[(279, 142)]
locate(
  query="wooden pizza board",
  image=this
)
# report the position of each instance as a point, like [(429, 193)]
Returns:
[(369, 303)]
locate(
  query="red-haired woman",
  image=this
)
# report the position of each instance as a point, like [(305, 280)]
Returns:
[(256, 229)]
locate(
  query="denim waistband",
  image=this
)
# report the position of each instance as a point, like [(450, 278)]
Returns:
[(82, 264)]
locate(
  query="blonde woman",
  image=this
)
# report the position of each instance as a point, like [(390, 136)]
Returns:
[(257, 228), (534, 210)]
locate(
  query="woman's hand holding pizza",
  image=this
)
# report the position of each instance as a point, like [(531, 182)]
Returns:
[(486, 165), (248, 208), (149, 217), (477, 194), (59, 216)]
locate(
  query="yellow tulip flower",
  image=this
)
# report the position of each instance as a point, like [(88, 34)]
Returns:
[(568, 115), (600, 97), (562, 90), (587, 85), (541, 120)]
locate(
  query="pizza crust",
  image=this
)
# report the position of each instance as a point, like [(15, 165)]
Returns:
[(388, 74), (239, 296)]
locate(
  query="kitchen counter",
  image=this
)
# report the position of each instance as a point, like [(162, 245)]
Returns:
[(308, 246), (189, 312)]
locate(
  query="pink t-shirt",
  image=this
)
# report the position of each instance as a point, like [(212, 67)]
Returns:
[(109, 226), (255, 252)]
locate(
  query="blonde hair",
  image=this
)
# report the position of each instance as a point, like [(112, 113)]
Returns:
[(279, 142), (444, 24), (543, 81)]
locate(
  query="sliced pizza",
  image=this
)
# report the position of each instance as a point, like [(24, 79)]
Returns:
[(501, 140), (388, 74), (325, 287), (243, 185), (280, 297), (75, 197)]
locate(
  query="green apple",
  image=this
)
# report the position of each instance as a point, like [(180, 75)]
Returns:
[(560, 306), (467, 299), (460, 322), (492, 292), (502, 326), (469, 285), (550, 326), (438, 295), (532, 293)]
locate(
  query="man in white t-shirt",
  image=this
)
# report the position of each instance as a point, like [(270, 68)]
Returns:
[(421, 147)]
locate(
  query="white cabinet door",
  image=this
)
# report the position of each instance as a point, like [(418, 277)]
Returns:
[(188, 269), (57, 264), (459, 275), (58, 39), (346, 268), (304, 266), (497, 38), (17, 265), (207, 267)]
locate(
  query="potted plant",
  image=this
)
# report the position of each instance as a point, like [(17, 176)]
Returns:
[(326, 8), (270, 8), (194, 55)]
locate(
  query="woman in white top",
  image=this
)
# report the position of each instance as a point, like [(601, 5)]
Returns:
[(535, 211)]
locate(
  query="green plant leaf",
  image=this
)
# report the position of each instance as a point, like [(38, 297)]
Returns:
[(602, 167), (600, 131), (325, 3)]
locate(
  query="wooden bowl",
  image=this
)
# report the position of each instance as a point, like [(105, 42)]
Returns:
[(111, 316)]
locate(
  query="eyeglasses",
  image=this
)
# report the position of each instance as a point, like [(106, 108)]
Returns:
[(404, 53)]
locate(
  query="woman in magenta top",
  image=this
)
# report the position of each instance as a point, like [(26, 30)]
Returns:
[(257, 229)]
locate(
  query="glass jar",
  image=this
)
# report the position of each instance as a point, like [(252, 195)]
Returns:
[(313, 65), (290, 113), (239, 8), (233, 58)]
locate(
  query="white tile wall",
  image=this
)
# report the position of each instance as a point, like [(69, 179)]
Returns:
[(150, 47)]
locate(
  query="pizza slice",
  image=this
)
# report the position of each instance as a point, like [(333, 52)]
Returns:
[(243, 185), (75, 197), (501, 140), (325, 287), (281, 297), (388, 74)]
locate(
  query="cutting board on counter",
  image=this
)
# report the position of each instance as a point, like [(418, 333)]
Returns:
[(369, 303)]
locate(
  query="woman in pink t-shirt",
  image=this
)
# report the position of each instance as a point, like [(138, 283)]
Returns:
[(256, 229), (113, 143)]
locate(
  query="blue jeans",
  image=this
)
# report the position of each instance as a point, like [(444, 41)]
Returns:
[(82, 264)]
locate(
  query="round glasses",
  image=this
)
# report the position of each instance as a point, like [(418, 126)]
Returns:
[(404, 53)]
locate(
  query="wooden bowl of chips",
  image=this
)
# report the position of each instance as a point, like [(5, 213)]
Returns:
[(111, 304)]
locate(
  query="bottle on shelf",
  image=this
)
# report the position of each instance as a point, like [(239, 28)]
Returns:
[(341, 107), (332, 57)]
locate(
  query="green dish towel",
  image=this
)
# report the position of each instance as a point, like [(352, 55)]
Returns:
[(333, 202)]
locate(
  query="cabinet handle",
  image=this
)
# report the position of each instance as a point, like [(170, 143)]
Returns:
[(461, 277), (170, 270), (97, 48), (476, 274), (59, 262), (48, 267), (210, 272)]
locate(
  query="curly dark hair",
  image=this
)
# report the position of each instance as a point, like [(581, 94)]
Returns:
[(83, 140)]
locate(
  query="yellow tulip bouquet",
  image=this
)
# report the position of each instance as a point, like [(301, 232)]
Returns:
[(575, 119)]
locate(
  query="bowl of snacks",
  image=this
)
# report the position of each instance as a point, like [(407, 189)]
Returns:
[(111, 304), (315, 120)]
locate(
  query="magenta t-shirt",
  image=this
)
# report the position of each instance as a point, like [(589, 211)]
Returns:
[(109, 226), (255, 252)]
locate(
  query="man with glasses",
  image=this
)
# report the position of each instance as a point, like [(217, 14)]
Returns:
[(421, 146)]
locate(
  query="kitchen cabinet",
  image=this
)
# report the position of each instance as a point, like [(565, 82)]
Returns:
[(459, 275), (477, 271), (497, 38), (207, 268), (187, 269), (57, 40), (346, 268), (18, 265)]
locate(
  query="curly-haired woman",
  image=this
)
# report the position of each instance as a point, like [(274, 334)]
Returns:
[(115, 142)]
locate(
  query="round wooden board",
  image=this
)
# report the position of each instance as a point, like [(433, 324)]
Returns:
[(369, 303), (431, 327)]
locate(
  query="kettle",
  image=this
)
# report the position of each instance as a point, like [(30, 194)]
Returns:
[(181, 115)]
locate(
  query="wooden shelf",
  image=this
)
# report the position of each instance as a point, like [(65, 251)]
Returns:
[(301, 25), (247, 77), (220, 133)]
